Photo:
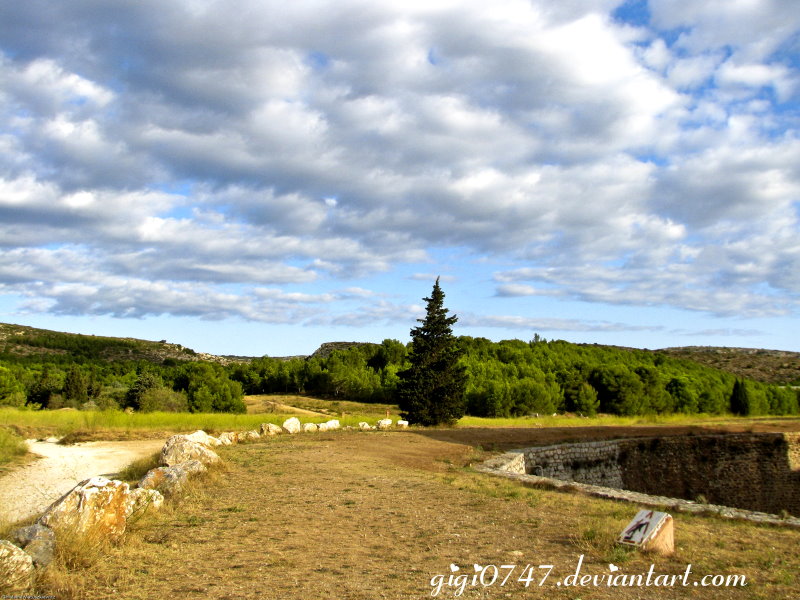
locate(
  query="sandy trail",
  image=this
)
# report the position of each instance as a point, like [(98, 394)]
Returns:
[(31, 488)]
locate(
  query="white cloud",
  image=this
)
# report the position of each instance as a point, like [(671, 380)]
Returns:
[(316, 145)]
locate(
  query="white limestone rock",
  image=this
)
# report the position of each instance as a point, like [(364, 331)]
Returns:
[(384, 424), (140, 500), (94, 506), (332, 424), (270, 429), (363, 426), (201, 437), (228, 438), (179, 449), (402, 424), (170, 480), (249, 436), (16, 569), (292, 425), (310, 427)]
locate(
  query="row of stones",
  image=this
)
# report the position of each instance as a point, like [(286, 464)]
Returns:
[(512, 465), (103, 507)]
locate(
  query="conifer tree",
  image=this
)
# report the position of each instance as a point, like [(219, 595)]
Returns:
[(431, 390), (740, 398)]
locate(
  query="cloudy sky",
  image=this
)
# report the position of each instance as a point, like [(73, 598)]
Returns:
[(257, 177)]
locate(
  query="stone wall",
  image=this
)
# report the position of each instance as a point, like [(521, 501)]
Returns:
[(759, 472)]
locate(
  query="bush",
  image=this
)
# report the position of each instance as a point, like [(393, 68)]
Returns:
[(164, 400)]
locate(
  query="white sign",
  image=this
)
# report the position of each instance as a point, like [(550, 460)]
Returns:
[(643, 527)]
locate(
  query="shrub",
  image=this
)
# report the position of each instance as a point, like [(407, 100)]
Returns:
[(164, 400)]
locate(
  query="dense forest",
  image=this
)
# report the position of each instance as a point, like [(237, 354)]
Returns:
[(509, 378)]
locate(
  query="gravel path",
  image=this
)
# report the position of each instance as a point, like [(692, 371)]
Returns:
[(31, 488)]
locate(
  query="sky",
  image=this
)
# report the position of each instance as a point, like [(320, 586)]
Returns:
[(255, 177)]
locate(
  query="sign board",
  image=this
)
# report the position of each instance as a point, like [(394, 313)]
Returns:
[(650, 530)]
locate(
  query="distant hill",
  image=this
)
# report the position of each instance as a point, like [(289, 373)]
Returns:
[(769, 366), (21, 340), (328, 348)]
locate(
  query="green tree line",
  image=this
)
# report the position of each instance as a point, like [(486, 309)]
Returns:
[(513, 378), (503, 379), (41, 382)]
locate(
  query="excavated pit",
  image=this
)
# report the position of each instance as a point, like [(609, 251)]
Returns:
[(755, 472)]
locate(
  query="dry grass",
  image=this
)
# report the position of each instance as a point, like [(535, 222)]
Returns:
[(377, 515), (82, 561), (134, 472), (12, 447)]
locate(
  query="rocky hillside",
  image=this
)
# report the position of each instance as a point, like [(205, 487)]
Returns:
[(770, 366), (27, 341)]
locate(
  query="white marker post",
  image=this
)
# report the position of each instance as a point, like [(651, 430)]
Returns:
[(651, 531)]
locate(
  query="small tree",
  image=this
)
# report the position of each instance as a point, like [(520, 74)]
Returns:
[(75, 386), (431, 390)]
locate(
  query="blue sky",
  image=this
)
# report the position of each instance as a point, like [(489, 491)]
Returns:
[(252, 177)]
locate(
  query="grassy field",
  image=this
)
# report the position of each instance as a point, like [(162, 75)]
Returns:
[(382, 515), (76, 425), (84, 425)]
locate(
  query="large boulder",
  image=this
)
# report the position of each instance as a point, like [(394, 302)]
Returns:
[(16, 569), (402, 424), (142, 499), (170, 480), (179, 449), (38, 541), (332, 424), (310, 427), (96, 506), (201, 437), (292, 425), (270, 429), (364, 426), (384, 424)]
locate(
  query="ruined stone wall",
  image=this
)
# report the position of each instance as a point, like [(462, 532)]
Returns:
[(758, 472)]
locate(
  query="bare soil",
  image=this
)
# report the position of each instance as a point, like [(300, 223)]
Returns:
[(508, 438), (351, 515)]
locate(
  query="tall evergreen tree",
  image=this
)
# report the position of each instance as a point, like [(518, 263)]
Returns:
[(740, 398), (431, 390)]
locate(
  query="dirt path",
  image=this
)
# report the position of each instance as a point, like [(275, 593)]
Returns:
[(30, 488), (357, 516)]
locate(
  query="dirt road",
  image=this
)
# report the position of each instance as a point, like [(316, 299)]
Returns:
[(29, 489)]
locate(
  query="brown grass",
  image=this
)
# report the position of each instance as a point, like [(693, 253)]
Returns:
[(134, 472), (351, 515)]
